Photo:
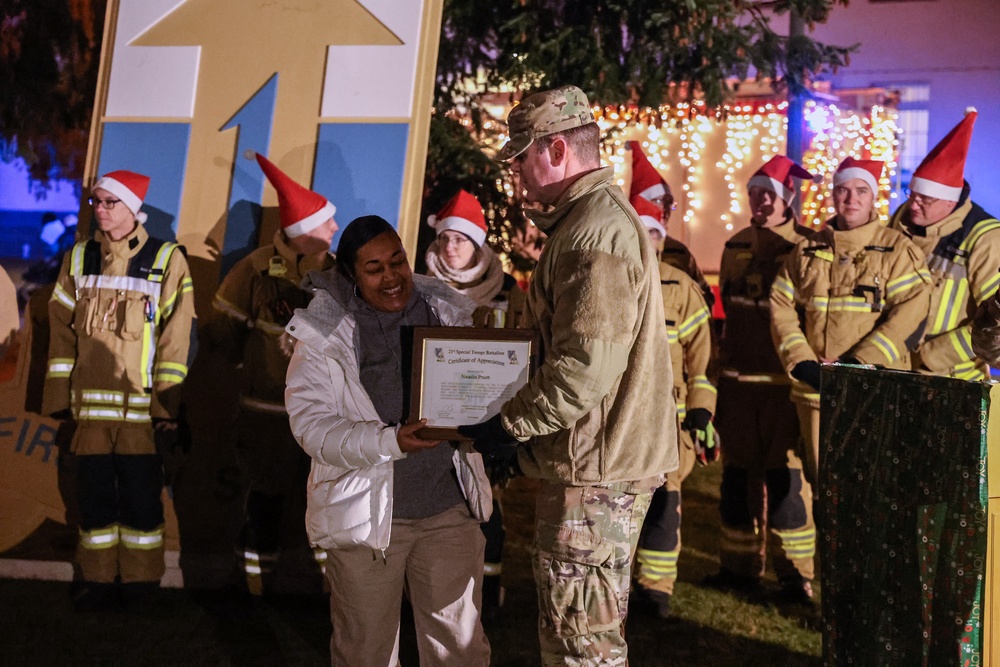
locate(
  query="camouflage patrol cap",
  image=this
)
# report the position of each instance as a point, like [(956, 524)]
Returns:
[(543, 114)]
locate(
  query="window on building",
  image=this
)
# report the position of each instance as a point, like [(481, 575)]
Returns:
[(913, 120)]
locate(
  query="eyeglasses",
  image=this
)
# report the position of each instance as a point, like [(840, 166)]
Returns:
[(458, 240), (106, 204), (921, 200)]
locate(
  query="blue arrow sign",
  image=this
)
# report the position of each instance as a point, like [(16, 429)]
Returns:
[(253, 124)]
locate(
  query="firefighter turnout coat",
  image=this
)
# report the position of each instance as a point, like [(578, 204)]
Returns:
[(688, 324), (861, 293), (963, 255), (121, 320)]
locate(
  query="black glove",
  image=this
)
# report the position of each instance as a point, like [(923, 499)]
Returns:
[(502, 465), (165, 435), (489, 436), (696, 419), (808, 372)]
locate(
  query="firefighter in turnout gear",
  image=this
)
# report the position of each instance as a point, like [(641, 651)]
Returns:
[(121, 323), (862, 291), (962, 245), (649, 185), (688, 323), (253, 304), (762, 465)]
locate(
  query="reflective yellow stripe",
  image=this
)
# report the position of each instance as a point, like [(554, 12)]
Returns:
[(701, 382), (850, 304), (798, 543), (820, 303), (656, 565), (102, 414), (60, 367), (137, 539), (824, 254), (146, 358), (791, 340), (222, 306), (76, 259), (981, 228), (692, 323), (899, 285), (60, 295), (101, 538), (672, 336), (100, 397), (783, 286), (988, 289), (886, 346), (961, 342), (169, 371), (681, 409)]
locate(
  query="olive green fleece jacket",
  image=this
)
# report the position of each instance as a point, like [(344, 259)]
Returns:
[(600, 408)]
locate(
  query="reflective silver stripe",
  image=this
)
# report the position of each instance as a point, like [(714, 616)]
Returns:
[(91, 396), (757, 378), (139, 400), (229, 309), (135, 539), (119, 283), (99, 413), (103, 538), (60, 295), (262, 406), (137, 416), (269, 327)]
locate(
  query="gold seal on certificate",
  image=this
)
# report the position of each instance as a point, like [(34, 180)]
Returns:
[(462, 375)]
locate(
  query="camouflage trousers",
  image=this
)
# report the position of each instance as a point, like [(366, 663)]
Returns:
[(585, 540)]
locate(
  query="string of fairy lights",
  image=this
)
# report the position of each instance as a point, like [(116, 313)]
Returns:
[(707, 155), (752, 134)]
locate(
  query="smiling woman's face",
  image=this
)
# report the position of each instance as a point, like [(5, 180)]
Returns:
[(382, 273)]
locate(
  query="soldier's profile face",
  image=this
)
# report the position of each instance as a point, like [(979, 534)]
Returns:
[(535, 172)]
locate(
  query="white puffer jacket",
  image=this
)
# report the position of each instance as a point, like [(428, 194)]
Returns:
[(335, 421)]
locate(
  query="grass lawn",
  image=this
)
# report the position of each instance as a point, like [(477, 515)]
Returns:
[(711, 628)]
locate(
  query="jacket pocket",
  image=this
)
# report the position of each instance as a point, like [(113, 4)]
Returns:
[(573, 579), (134, 319), (85, 317)]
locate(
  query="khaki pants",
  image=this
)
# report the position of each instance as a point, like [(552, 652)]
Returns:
[(809, 421), (585, 538), (439, 562)]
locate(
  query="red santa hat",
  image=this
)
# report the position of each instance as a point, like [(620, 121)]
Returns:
[(868, 171), (776, 175), (646, 181), (128, 186), (650, 214), (301, 210), (463, 213), (942, 173)]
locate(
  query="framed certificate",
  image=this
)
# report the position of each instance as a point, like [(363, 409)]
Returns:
[(463, 375)]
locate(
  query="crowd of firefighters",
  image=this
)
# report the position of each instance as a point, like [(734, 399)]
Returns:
[(852, 290)]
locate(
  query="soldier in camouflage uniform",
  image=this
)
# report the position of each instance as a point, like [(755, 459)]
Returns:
[(597, 421), (252, 306)]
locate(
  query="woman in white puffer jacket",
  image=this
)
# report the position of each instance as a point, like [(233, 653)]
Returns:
[(372, 476)]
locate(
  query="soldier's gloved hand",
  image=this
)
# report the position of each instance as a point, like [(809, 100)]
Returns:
[(698, 422), (808, 372), (489, 436), (501, 464)]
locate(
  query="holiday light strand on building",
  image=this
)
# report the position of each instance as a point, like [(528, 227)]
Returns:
[(708, 155)]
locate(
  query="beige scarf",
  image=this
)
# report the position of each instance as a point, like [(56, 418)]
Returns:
[(481, 282)]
